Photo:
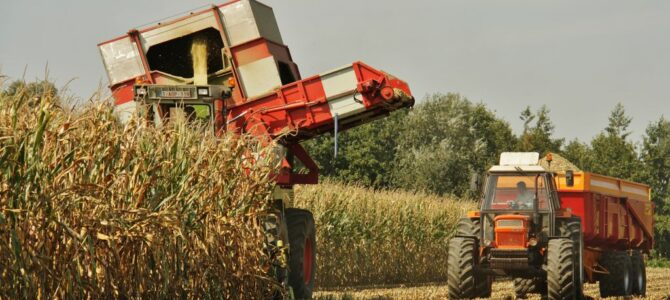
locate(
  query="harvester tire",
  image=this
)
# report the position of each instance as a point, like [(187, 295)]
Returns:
[(525, 286), (461, 269), (561, 270), (471, 227), (302, 258), (619, 281), (638, 274)]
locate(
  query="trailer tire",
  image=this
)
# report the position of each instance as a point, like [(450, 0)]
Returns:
[(302, 254), (638, 274), (561, 270), (461, 279), (618, 282), (525, 286), (471, 227)]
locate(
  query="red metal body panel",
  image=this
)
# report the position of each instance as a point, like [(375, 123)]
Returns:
[(609, 223)]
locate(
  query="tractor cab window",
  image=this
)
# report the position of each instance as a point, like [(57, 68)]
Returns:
[(516, 192)]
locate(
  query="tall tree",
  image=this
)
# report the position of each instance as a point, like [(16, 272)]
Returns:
[(655, 154), (612, 153), (538, 136)]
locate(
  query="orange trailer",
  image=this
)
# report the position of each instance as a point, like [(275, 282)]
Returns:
[(616, 214)]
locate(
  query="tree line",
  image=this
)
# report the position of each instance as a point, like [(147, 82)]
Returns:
[(445, 141)]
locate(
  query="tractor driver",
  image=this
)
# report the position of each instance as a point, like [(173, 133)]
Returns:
[(525, 197)]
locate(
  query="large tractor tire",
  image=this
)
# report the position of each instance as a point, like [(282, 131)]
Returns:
[(461, 269), (471, 228), (619, 281), (561, 270), (525, 286), (571, 228), (638, 274), (302, 259)]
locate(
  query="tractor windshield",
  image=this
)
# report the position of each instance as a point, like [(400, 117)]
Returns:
[(516, 192)]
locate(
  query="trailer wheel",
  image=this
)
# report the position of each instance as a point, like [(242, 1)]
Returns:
[(525, 286), (302, 260), (471, 227), (638, 274), (618, 282), (461, 269), (561, 270)]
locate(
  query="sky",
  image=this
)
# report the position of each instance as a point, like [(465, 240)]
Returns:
[(577, 57)]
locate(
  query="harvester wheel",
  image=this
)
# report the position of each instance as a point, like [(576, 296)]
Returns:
[(471, 227), (638, 274), (302, 261), (525, 286), (561, 270), (618, 282)]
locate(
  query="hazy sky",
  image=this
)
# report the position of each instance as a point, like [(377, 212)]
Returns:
[(578, 57)]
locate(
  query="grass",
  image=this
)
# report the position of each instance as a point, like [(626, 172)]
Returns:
[(90, 208), (368, 237)]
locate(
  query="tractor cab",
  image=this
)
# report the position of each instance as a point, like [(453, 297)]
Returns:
[(519, 201), (517, 213)]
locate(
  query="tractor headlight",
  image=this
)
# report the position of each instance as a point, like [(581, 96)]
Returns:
[(487, 243), (532, 242), (203, 91)]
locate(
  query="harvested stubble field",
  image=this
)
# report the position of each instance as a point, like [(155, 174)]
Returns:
[(93, 209), (658, 288)]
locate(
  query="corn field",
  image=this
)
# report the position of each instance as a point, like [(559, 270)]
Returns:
[(94, 209), (368, 237)]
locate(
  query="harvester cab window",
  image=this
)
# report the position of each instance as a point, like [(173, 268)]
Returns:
[(516, 192)]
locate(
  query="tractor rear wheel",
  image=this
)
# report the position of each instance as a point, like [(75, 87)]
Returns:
[(638, 274), (561, 277), (302, 258), (525, 286), (618, 282)]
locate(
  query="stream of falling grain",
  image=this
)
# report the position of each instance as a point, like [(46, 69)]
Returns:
[(199, 58)]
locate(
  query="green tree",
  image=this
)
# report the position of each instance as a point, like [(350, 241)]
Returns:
[(33, 92), (578, 153), (537, 136), (365, 154), (655, 155), (612, 153), (446, 140)]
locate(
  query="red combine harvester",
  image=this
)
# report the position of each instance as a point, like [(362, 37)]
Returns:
[(228, 65), (552, 232)]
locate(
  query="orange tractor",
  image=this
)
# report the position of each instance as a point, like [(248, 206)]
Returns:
[(552, 232), (227, 66)]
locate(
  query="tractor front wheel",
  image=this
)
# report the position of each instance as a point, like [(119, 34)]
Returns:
[(302, 261), (561, 277), (525, 286)]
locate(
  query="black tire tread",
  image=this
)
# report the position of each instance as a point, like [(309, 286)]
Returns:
[(525, 286), (638, 267), (560, 269), (300, 225), (618, 264)]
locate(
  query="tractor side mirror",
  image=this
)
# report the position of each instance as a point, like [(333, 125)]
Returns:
[(569, 178)]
